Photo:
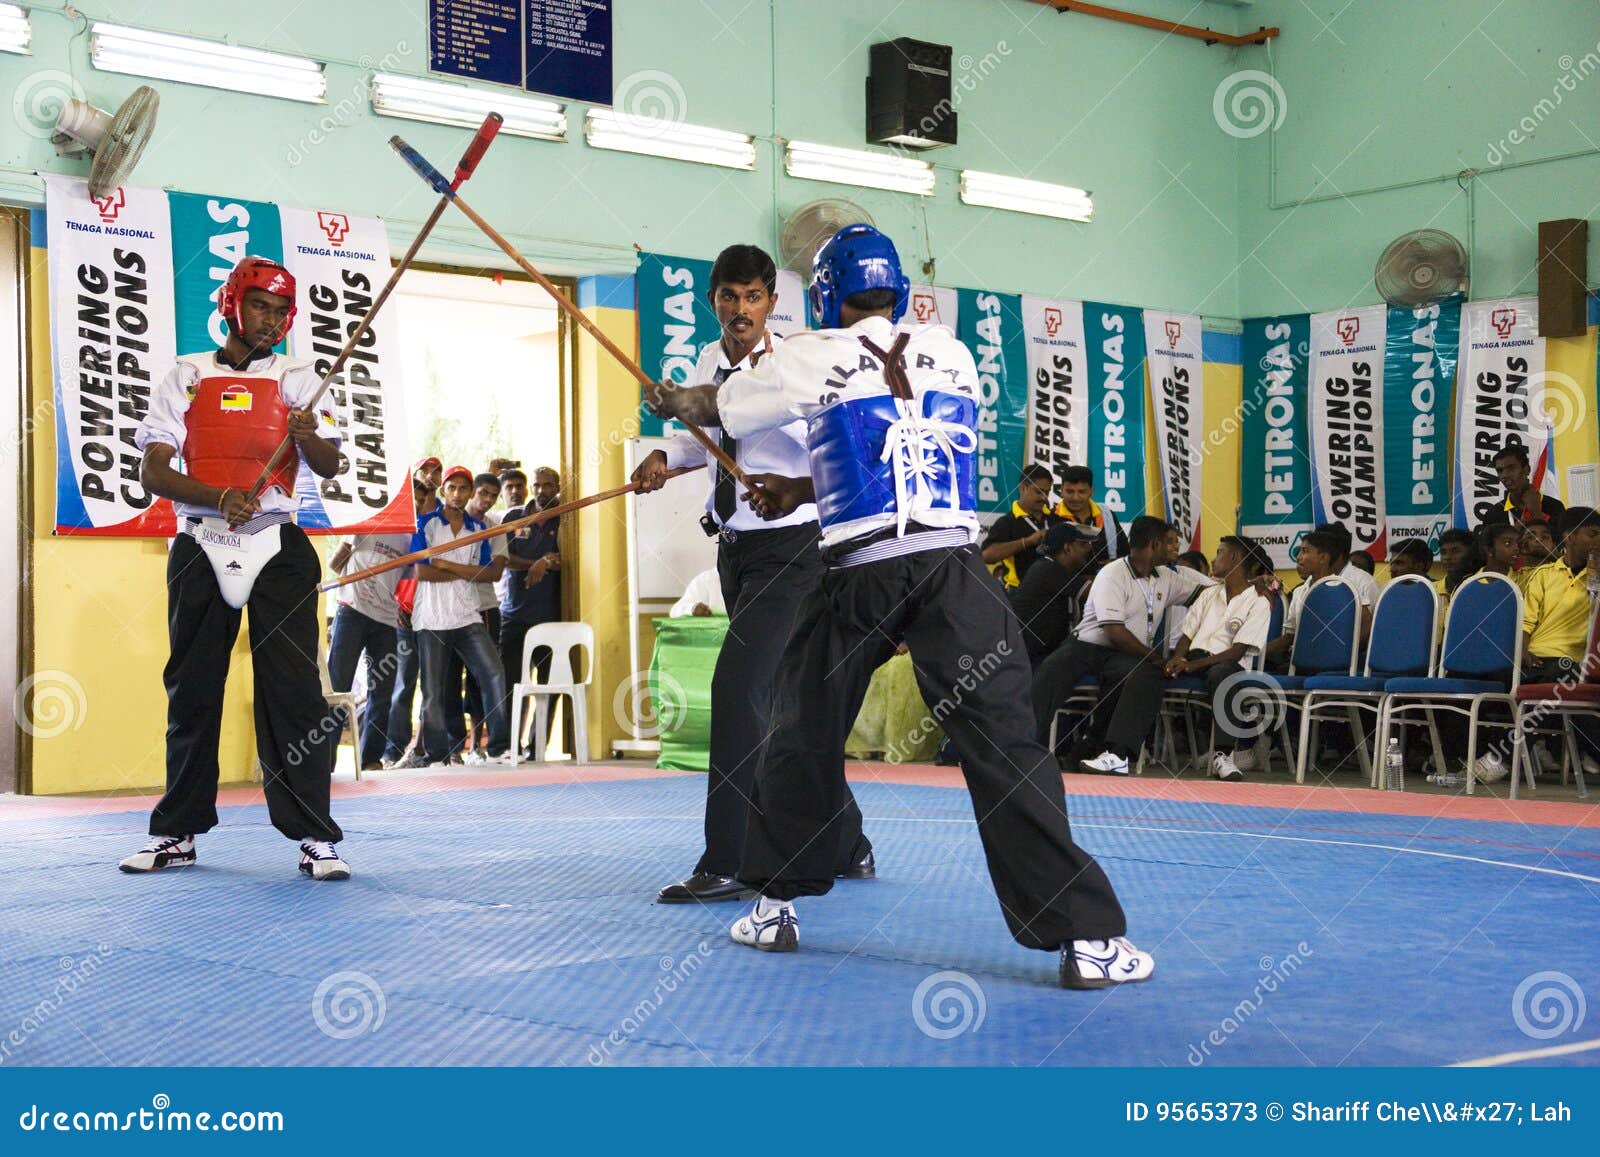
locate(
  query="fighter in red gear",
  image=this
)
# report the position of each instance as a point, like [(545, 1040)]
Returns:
[(222, 413)]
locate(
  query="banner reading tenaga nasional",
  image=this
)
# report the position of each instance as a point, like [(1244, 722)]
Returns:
[(1499, 397), (1274, 455), (131, 275), (1058, 391), (1418, 381), (1347, 348), (1176, 365)]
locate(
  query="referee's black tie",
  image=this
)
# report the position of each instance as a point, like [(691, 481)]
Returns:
[(724, 500)]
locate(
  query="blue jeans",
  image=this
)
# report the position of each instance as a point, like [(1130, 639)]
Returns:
[(405, 691), (354, 633), (477, 650)]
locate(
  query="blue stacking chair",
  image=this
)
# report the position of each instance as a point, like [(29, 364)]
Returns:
[(1404, 635), (1325, 643), (1481, 663)]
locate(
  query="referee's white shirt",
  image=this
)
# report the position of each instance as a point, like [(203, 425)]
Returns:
[(778, 451), (1119, 596)]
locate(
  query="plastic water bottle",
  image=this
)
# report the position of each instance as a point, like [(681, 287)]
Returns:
[(1394, 764)]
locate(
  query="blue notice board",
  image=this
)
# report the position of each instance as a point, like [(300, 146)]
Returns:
[(558, 48)]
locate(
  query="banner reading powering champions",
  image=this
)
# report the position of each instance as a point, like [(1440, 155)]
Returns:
[(1058, 370), (1347, 423), (1177, 394), (133, 282), (1499, 397), (1274, 450)]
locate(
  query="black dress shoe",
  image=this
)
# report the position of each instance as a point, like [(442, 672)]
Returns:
[(704, 888), (866, 868)]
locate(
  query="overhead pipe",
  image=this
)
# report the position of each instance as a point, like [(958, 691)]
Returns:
[(1208, 35)]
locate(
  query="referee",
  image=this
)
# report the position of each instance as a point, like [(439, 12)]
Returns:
[(767, 570)]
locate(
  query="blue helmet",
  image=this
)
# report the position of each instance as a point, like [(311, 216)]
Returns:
[(855, 258)]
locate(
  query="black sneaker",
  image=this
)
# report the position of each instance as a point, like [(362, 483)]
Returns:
[(161, 852)]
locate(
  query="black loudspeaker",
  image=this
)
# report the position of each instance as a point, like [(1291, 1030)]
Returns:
[(908, 95), (1563, 278)]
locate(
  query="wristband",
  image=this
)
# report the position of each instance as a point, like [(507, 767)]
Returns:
[(222, 499)]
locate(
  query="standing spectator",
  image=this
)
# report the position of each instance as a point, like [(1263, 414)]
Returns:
[(365, 623), (485, 493), (1078, 505), (1523, 502), (1050, 600), (447, 621), (425, 478), (532, 592), (1012, 543)]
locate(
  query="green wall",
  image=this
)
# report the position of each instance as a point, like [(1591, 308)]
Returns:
[(1121, 111)]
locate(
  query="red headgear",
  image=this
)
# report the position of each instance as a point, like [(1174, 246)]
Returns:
[(255, 273)]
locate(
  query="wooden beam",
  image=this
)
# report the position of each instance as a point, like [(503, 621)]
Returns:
[(1208, 35)]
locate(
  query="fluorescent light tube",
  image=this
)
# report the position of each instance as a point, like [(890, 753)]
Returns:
[(139, 52), (608, 129), (1023, 196), (415, 99), (16, 34), (813, 162)]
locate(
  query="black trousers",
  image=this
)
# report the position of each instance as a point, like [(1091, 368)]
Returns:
[(1130, 687), (766, 576), (972, 666), (296, 733)]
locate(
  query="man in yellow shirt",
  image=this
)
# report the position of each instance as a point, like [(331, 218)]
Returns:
[(1557, 608)]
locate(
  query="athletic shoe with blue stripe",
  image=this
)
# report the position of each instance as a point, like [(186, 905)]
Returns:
[(775, 931), (1103, 963)]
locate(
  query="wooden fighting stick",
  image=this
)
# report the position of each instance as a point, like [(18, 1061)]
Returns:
[(469, 161)]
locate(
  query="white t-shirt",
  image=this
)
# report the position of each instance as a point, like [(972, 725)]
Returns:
[(1216, 622), (450, 605), (705, 587), (817, 368), (779, 451), (488, 593), (374, 597), (1119, 596), (165, 423), (1365, 585)]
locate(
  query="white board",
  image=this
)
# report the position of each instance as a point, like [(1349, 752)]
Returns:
[(668, 546)]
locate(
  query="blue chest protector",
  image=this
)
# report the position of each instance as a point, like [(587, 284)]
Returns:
[(874, 456)]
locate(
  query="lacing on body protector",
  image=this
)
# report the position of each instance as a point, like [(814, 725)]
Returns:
[(914, 446)]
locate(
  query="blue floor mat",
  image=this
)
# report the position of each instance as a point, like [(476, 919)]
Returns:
[(514, 926)]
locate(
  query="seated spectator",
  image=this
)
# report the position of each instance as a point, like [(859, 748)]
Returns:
[(1536, 547), (1362, 560), (1523, 502), (1010, 548), (1078, 505), (1315, 560), (702, 598), (1501, 546), (1119, 639), (1225, 625), (1050, 600), (1411, 557), (1195, 560), (1461, 555), (1364, 584)]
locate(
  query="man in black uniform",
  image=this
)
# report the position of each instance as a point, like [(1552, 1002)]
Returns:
[(1010, 549), (767, 569), (1050, 600)]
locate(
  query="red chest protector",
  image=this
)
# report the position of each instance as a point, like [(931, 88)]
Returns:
[(234, 423)]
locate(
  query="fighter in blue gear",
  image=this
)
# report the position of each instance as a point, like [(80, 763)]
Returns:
[(891, 414)]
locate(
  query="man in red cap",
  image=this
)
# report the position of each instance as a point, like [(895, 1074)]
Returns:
[(224, 413)]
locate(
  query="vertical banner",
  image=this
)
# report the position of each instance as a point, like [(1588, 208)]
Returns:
[(789, 314), (1177, 393), (1419, 369), (210, 235), (1114, 338), (1274, 451), (1502, 368), (675, 321), (1058, 373), (1346, 376), (932, 305), (991, 326), (340, 263), (111, 337)]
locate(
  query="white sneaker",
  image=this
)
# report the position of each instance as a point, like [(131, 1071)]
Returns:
[(1591, 765), (1490, 767), (1246, 759), (1103, 963), (161, 852), (320, 860), (776, 931), (1106, 763), (1224, 767)]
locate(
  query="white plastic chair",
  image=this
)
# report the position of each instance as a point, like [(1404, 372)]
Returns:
[(561, 638), (346, 700)]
